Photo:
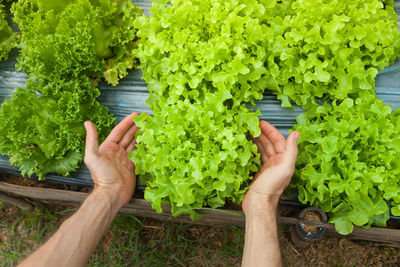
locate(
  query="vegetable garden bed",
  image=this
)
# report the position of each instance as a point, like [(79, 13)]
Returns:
[(221, 217), (130, 95)]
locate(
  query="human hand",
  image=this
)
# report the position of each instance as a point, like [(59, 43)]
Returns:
[(278, 157), (112, 172)]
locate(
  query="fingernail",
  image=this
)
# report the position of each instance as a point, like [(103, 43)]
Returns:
[(86, 125)]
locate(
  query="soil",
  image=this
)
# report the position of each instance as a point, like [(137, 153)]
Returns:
[(330, 251), (314, 217), (33, 183)]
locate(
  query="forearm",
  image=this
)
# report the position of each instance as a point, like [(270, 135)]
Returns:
[(261, 239), (77, 238)]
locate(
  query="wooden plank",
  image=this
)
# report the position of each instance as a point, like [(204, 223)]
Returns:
[(20, 203), (140, 207)]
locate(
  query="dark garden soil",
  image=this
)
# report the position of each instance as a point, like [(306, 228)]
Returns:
[(329, 251)]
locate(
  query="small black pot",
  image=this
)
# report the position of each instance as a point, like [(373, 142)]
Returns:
[(300, 236)]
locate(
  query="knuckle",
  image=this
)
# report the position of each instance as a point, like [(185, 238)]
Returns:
[(131, 167), (111, 147)]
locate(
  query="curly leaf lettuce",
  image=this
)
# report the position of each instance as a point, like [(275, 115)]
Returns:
[(68, 39), (191, 45), (44, 135), (332, 49), (301, 50), (348, 161), (65, 47), (201, 60), (194, 155), (7, 35)]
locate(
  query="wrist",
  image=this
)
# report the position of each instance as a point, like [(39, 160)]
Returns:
[(257, 206), (110, 198)]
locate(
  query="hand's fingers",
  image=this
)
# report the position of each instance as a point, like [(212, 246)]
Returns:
[(128, 137), (131, 146), (92, 142), (274, 136), (129, 164), (291, 149), (119, 131), (268, 146), (261, 150)]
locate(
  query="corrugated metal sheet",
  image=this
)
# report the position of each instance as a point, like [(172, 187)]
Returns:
[(130, 95)]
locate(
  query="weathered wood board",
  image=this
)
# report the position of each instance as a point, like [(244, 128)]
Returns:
[(142, 208)]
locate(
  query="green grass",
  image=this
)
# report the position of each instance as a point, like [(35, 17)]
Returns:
[(134, 241), (22, 233), (131, 241)]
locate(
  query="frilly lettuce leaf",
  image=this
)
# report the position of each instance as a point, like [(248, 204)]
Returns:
[(191, 45), (44, 134), (194, 155), (333, 49), (67, 39), (348, 161), (201, 60), (7, 35), (301, 50)]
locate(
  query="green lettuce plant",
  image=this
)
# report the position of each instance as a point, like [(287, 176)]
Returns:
[(348, 161), (331, 49), (43, 135), (301, 50), (66, 39), (65, 48), (188, 47), (7, 35), (201, 60), (194, 155)]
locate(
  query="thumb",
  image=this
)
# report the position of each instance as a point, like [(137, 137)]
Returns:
[(291, 148), (92, 143)]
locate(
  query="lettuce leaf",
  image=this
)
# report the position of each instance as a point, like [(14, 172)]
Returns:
[(333, 49), (196, 154), (7, 35), (300, 50), (66, 39), (44, 135), (348, 161), (191, 45), (201, 60), (66, 47)]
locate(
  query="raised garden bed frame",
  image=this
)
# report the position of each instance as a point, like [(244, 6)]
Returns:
[(15, 194)]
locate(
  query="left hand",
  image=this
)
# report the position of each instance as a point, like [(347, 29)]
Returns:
[(113, 173)]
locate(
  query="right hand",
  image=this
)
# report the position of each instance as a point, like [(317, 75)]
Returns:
[(113, 173), (278, 157)]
